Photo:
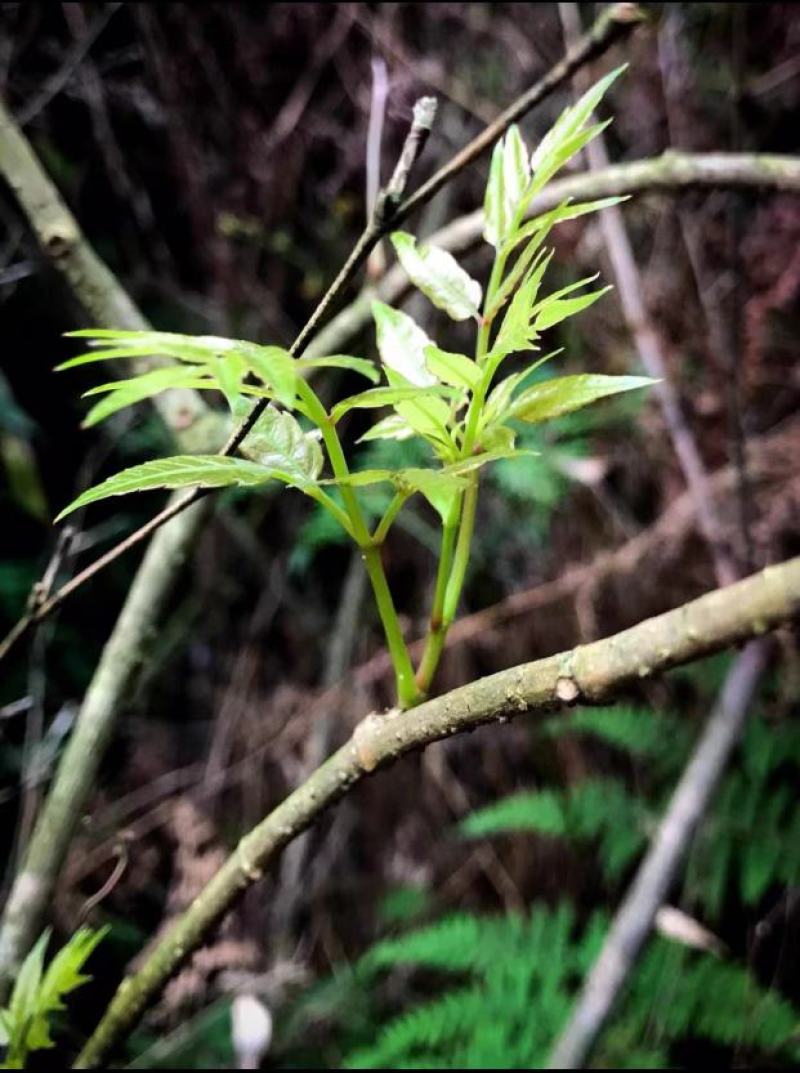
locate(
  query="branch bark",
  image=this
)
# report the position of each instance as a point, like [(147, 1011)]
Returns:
[(590, 673)]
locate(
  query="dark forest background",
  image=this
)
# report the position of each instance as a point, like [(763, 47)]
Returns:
[(215, 157)]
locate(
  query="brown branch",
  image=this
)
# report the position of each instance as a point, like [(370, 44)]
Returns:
[(589, 673)]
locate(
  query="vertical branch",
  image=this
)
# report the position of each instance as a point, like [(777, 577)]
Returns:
[(105, 302), (634, 919)]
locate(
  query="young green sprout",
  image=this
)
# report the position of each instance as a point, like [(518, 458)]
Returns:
[(461, 406)]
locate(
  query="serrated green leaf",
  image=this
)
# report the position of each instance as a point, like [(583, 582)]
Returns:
[(122, 393), (183, 471), (277, 442), (553, 310), (107, 353), (401, 344), (528, 260), (562, 156), (38, 995), (516, 327), (376, 397), (571, 120), (272, 364), (439, 276), (22, 1007), (540, 226), (341, 361), (455, 369), (567, 393)]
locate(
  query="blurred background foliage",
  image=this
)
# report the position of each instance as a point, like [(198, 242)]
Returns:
[(215, 157)]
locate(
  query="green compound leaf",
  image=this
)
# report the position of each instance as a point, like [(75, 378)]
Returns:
[(439, 276), (183, 471), (273, 365), (38, 994), (401, 344), (567, 393)]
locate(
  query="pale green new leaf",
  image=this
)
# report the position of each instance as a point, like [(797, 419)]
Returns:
[(439, 276), (494, 203), (455, 369), (182, 471), (401, 344), (509, 176), (277, 442), (375, 397), (516, 170), (567, 393), (392, 427), (429, 417), (439, 488)]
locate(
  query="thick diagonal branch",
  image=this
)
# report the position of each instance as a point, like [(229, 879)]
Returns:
[(589, 673)]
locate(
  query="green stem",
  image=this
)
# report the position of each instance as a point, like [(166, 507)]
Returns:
[(385, 523), (434, 642), (461, 559), (454, 557), (407, 692)]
